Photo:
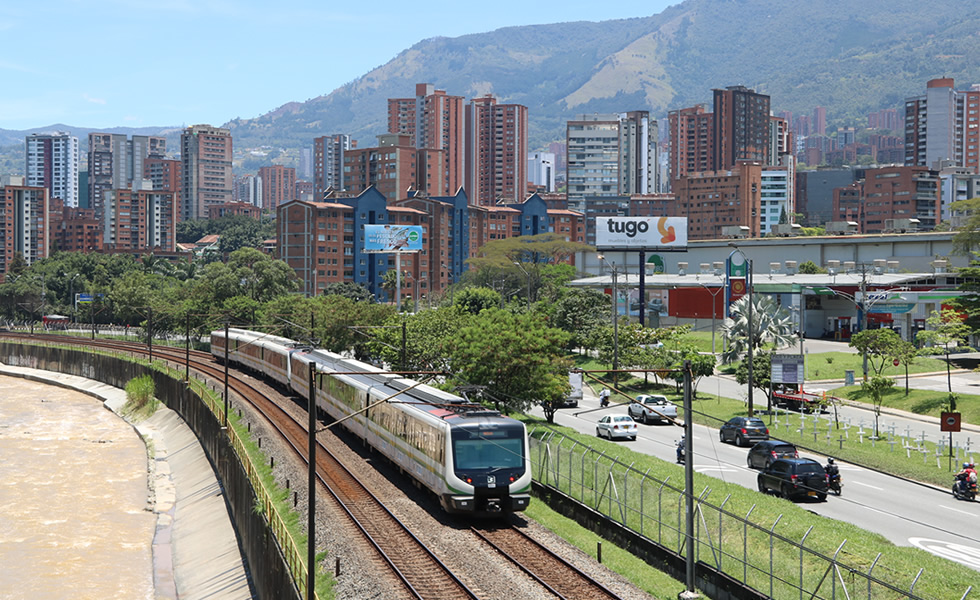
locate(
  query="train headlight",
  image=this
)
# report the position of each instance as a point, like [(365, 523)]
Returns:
[(468, 480)]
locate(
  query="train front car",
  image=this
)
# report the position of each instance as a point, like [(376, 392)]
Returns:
[(489, 471)]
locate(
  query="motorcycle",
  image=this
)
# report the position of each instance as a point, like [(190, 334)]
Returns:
[(834, 483), (963, 489), (680, 451)]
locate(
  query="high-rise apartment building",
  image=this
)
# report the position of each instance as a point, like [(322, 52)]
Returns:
[(433, 120), (278, 186), (328, 162), (496, 152), (542, 170), (890, 193), (24, 226), (248, 190), (205, 155), (394, 167), (52, 163), (691, 141), (819, 121), (611, 155), (741, 127), (943, 126), (714, 200), (116, 162), (141, 219)]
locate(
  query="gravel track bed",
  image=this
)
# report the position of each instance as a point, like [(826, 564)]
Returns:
[(363, 575)]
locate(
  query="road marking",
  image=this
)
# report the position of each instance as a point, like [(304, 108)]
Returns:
[(965, 555), (956, 509), (874, 487), (721, 469)]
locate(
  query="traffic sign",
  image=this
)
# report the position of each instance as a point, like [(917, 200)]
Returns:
[(895, 362), (949, 421)]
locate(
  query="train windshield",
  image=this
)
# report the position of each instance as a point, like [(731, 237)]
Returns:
[(497, 448)]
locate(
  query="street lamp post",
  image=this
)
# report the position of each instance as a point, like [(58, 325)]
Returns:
[(748, 292), (615, 316), (528, 275), (714, 311), (450, 282)]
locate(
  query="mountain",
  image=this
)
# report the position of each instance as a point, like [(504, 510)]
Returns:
[(850, 57)]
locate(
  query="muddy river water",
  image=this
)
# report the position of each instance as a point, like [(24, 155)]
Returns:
[(74, 518)]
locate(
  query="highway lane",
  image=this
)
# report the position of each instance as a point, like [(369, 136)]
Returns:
[(905, 513)]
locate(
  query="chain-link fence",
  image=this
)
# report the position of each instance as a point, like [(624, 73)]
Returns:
[(750, 552)]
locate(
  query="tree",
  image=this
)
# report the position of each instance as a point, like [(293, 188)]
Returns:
[(579, 313), (967, 241), (771, 324), (761, 373), (880, 346), (945, 328), (520, 364), (475, 299), (810, 268), (430, 338), (349, 289), (875, 388), (906, 354)]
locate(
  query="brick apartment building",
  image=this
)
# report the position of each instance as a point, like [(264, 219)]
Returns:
[(24, 227), (889, 193), (278, 186), (496, 151), (433, 120)]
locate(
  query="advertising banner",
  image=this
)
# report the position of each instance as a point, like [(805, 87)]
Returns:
[(392, 238), (667, 234)]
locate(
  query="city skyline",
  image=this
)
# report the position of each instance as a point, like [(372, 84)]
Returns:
[(142, 45)]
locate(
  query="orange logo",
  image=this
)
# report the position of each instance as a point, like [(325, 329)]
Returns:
[(667, 233)]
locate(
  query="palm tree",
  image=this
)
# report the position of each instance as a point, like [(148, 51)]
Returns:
[(772, 324)]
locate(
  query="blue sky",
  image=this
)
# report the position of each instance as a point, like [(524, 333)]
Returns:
[(135, 63)]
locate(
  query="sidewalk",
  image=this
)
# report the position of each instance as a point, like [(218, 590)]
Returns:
[(195, 549)]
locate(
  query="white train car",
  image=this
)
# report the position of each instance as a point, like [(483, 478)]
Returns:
[(472, 458), (260, 352)]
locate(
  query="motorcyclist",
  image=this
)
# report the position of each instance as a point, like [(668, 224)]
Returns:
[(680, 449), (604, 397), (968, 474), (831, 468)]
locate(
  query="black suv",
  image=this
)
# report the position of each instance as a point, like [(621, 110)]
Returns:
[(743, 430), (795, 477), (762, 454)]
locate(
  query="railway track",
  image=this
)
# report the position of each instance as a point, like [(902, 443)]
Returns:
[(553, 572), (422, 574)]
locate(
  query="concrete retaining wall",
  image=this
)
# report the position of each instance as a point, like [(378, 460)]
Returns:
[(267, 566)]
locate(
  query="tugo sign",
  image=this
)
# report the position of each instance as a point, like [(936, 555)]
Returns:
[(641, 233)]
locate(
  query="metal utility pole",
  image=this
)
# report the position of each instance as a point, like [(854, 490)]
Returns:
[(311, 509), (690, 592), (226, 375)]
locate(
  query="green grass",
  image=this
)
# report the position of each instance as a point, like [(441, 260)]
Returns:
[(897, 565), (656, 583)]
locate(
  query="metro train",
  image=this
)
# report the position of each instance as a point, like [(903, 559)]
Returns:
[(475, 460)]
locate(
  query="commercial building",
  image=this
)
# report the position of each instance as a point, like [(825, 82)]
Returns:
[(541, 170), (205, 155), (496, 151), (943, 125), (52, 163)]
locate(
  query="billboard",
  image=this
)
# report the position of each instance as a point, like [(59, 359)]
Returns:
[(392, 238), (641, 233)]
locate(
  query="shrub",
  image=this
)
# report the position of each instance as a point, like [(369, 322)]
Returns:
[(140, 391)]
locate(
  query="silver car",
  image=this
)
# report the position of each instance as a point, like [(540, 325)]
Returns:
[(616, 426)]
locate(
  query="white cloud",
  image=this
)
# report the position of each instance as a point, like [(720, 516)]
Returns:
[(88, 98)]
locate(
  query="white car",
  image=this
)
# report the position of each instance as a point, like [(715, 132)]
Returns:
[(616, 426), (649, 408)]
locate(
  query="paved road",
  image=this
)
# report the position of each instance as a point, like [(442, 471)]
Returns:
[(874, 501)]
